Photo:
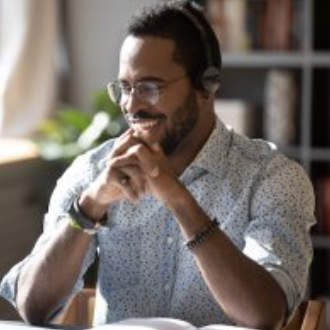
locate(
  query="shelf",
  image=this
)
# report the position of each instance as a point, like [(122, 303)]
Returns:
[(318, 59), (262, 59), (261, 77), (321, 242), (276, 59), (320, 154), (294, 152)]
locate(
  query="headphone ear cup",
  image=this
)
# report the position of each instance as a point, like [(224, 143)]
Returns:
[(210, 79)]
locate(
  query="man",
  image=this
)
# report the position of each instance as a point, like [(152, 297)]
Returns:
[(190, 219)]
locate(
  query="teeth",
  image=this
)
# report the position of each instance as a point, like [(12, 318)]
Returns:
[(147, 124)]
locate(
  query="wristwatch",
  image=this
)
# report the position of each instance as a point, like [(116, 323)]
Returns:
[(78, 220)]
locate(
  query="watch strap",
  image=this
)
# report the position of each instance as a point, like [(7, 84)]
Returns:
[(78, 220)]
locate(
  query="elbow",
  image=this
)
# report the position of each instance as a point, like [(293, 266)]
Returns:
[(267, 324), (31, 315), (270, 315), (271, 320), (31, 311)]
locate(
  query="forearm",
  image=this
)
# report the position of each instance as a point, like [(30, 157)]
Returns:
[(51, 274), (245, 290)]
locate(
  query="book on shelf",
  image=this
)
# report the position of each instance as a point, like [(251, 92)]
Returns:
[(228, 19), (322, 188), (158, 323), (266, 25), (278, 25), (279, 118)]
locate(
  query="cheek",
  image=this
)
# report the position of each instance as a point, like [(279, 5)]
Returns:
[(178, 102)]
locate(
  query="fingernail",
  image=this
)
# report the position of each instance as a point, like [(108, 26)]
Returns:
[(136, 134), (155, 172)]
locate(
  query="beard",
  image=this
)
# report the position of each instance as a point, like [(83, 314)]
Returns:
[(182, 123)]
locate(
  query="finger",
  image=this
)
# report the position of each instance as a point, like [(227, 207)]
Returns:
[(123, 180), (124, 142), (135, 177), (140, 156), (156, 148), (130, 180), (124, 184), (147, 158), (129, 192)]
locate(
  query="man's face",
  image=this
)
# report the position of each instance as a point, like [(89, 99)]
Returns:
[(173, 117)]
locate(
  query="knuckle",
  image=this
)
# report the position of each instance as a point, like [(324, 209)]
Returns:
[(139, 149)]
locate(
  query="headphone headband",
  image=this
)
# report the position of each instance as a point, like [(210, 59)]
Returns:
[(209, 79)]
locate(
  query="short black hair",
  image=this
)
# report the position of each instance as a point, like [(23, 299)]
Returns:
[(169, 19)]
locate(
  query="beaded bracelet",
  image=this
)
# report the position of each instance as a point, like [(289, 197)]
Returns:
[(202, 235)]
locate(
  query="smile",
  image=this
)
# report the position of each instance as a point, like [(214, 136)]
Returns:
[(145, 124)]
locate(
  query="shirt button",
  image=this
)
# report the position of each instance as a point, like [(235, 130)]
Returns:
[(169, 240), (167, 286)]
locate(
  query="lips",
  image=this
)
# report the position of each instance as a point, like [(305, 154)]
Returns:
[(145, 124), (143, 120)]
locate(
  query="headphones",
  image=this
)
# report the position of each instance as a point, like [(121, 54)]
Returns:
[(209, 78)]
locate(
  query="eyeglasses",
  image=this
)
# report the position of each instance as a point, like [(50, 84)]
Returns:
[(147, 91)]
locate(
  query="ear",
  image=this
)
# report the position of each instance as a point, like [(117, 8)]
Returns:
[(205, 94), (205, 100)]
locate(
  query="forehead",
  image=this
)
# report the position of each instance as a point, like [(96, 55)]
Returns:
[(141, 56)]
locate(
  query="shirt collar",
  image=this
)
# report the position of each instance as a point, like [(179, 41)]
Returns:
[(213, 155)]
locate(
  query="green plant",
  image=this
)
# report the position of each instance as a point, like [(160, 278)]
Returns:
[(71, 131)]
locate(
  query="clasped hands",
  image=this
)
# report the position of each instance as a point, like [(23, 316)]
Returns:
[(134, 168)]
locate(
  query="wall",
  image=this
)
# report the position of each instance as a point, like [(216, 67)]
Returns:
[(95, 32)]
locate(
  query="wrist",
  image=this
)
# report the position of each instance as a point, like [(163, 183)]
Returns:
[(78, 220), (190, 216), (180, 202), (93, 210)]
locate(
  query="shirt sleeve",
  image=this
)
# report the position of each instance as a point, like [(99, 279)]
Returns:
[(68, 187), (278, 237)]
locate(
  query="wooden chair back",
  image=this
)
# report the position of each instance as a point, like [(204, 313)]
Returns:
[(80, 310), (310, 315)]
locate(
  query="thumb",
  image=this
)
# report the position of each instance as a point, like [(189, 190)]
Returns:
[(156, 147)]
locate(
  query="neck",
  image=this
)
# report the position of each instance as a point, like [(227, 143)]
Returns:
[(189, 148)]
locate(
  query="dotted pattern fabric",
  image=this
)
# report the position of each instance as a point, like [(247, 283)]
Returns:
[(263, 201)]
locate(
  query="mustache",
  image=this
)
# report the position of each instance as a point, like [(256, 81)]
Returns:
[(142, 114)]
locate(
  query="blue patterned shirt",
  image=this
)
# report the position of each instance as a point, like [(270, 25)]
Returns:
[(263, 201)]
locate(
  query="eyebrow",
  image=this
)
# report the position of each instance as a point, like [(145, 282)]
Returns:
[(144, 79)]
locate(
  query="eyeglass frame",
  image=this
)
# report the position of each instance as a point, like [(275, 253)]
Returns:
[(158, 86)]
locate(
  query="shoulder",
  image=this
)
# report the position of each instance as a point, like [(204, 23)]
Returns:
[(253, 150), (264, 155), (269, 166)]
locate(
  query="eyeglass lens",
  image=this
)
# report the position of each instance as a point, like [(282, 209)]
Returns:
[(147, 92)]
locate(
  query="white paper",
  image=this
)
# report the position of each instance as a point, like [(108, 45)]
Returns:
[(17, 326), (161, 323), (157, 323)]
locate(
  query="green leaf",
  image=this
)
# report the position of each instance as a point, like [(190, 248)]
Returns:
[(72, 131), (75, 118), (102, 102)]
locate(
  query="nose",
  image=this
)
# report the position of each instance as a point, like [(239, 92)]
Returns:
[(132, 103)]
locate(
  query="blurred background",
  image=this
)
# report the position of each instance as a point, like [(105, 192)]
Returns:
[(56, 58)]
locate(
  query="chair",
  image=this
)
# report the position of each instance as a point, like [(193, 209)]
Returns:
[(309, 316), (80, 310)]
